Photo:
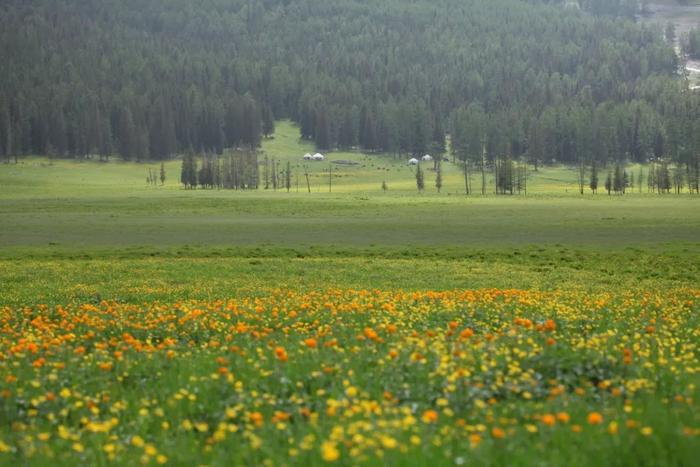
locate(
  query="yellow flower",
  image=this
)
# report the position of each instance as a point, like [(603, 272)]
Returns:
[(161, 459), (647, 431), (388, 442), (137, 441), (351, 391), (612, 428), (4, 447), (78, 447), (108, 448), (329, 452)]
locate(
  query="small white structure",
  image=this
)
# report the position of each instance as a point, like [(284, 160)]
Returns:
[(318, 157), (308, 157), (413, 161), (427, 158)]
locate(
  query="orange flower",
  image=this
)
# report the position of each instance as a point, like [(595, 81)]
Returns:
[(474, 440), (550, 325), (498, 433), (371, 334), (393, 353), (466, 333), (280, 417), (549, 419), (563, 417), (311, 343), (256, 418), (106, 366), (281, 354), (430, 416), (595, 418)]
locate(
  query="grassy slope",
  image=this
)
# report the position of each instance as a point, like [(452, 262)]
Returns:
[(78, 231)]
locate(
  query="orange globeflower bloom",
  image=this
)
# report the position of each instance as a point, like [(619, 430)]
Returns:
[(281, 354), (498, 433), (430, 416), (549, 419), (595, 418), (256, 418), (466, 333), (563, 417), (107, 366), (311, 343)]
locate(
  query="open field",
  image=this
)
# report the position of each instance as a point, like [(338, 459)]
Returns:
[(158, 325)]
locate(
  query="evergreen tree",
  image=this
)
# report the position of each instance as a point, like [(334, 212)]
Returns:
[(162, 173), (420, 181), (594, 178)]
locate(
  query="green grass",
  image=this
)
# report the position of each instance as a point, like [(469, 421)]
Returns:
[(74, 231), (122, 267)]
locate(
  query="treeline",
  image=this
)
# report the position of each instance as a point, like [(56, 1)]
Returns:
[(233, 171), (147, 79), (660, 177)]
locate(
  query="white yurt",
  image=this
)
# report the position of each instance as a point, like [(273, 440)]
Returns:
[(413, 161), (318, 156), (427, 158), (308, 157)]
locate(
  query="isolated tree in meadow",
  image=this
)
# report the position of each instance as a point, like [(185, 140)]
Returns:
[(594, 178), (438, 174), (420, 181), (581, 176), (288, 177), (618, 180), (162, 173), (274, 175), (267, 172), (640, 179), (608, 183), (385, 187)]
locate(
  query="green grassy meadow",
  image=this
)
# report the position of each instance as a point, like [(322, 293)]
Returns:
[(79, 230), (158, 325)]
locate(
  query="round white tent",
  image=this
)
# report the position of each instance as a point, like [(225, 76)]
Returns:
[(427, 158), (413, 161), (308, 157), (318, 157)]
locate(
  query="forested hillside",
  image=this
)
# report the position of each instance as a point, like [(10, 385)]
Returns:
[(147, 79)]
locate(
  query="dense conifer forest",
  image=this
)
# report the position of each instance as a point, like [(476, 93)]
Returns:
[(506, 79)]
